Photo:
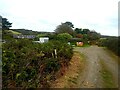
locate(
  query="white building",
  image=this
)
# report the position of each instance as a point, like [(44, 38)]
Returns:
[(42, 40)]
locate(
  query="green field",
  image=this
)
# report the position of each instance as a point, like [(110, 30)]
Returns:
[(14, 32)]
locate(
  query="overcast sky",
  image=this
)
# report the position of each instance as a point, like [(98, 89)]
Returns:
[(45, 15)]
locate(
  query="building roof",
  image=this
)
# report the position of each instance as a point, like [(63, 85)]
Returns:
[(76, 39), (24, 36)]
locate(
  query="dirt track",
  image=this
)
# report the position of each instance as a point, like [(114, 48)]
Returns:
[(91, 67), (91, 75)]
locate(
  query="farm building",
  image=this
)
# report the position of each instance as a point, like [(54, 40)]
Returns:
[(43, 40), (24, 36), (77, 41)]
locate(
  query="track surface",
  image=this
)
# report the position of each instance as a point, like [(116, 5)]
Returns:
[(91, 75)]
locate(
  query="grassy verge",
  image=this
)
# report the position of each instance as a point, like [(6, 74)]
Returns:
[(113, 55), (106, 76), (73, 81), (71, 75)]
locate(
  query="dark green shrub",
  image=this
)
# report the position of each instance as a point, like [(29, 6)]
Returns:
[(112, 43), (52, 65), (27, 64)]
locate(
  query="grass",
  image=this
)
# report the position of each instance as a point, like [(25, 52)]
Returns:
[(73, 80), (106, 77), (112, 54), (81, 55), (82, 59), (86, 45), (71, 76), (14, 32)]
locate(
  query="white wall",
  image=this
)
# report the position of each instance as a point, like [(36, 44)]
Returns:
[(43, 39)]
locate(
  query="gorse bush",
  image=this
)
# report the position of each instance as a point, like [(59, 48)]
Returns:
[(64, 37), (28, 65)]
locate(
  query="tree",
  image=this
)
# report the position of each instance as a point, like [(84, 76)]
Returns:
[(81, 31), (94, 35), (79, 35), (64, 36), (85, 38), (78, 31), (6, 24), (86, 31), (64, 28), (69, 24)]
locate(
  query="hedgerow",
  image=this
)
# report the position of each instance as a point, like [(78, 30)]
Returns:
[(112, 43), (30, 65)]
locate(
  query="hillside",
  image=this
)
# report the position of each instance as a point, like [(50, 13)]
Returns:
[(8, 34), (106, 36), (14, 32), (29, 32), (24, 31)]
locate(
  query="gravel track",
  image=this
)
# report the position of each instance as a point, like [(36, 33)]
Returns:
[(91, 77)]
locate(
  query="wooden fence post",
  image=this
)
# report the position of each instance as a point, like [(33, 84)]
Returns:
[(55, 53)]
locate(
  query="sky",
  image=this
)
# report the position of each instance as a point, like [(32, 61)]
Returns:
[(46, 15)]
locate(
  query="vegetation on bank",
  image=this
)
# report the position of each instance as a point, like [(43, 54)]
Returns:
[(112, 43), (70, 78), (27, 64), (106, 76)]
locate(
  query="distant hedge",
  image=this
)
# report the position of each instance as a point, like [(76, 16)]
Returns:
[(31, 65), (112, 43)]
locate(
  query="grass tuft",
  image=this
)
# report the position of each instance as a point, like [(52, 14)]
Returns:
[(107, 77)]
